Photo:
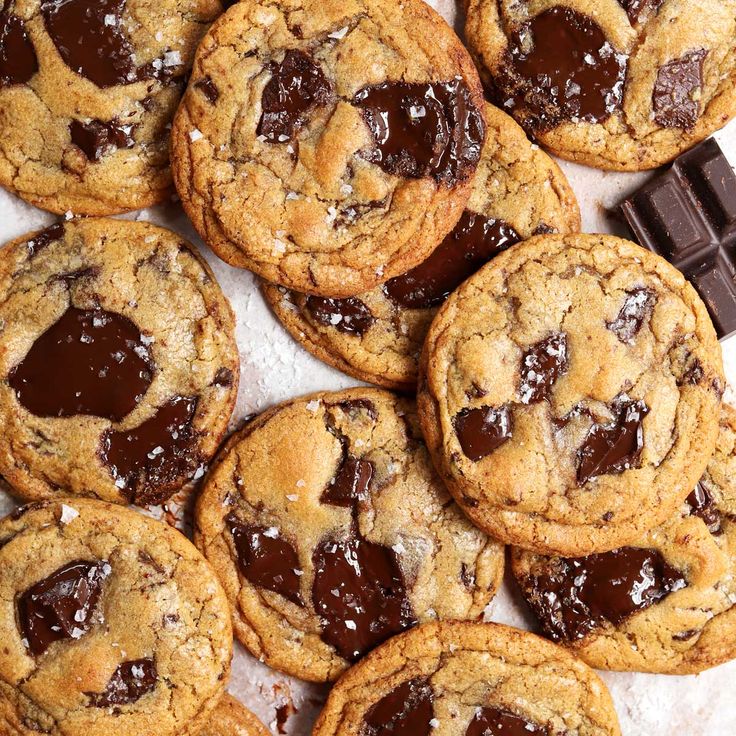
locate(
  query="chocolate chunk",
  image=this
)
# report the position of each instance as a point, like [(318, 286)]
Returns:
[(345, 315), (480, 431), (572, 596), (96, 138), (158, 453), (635, 9), (353, 407), (614, 447), (637, 307), (407, 711), (422, 130), (562, 67), (685, 635), (89, 362), (541, 366), (62, 605), (297, 86), (128, 684), (703, 505), (18, 62), (688, 216), (45, 237), (266, 559), (209, 89), (474, 241), (351, 483), (501, 722), (224, 378), (674, 97)]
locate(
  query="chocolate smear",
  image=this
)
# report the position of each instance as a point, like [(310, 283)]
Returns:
[(407, 711)]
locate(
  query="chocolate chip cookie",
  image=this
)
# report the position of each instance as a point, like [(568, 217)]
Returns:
[(111, 623), (118, 362), (617, 84), (88, 93), (469, 679), (664, 604), (331, 532), (570, 393), (518, 191), (328, 145), (231, 718)]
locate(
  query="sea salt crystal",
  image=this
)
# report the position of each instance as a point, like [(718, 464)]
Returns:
[(68, 514), (351, 625), (272, 532), (172, 58), (337, 35), (195, 135), (313, 406)]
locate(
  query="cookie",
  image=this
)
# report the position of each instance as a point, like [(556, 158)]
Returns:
[(231, 718), (328, 145), (111, 623), (617, 84), (518, 191), (570, 393), (469, 679), (664, 604), (331, 532), (88, 94), (118, 363)]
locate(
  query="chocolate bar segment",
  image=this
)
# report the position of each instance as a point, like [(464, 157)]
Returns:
[(688, 216)]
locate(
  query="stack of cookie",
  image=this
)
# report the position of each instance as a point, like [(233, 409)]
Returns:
[(568, 387)]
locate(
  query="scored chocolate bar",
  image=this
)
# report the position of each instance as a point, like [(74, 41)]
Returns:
[(688, 216)]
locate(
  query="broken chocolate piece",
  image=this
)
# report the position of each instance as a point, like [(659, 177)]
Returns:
[(636, 309), (128, 684), (45, 237), (209, 89), (702, 504), (480, 431), (406, 711), (349, 315), (674, 97), (491, 721), (541, 366), (18, 62), (351, 483), (96, 138)]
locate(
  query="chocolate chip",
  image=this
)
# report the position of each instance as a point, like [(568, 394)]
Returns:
[(422, 130), (474, 241), (673, 98), (266, 559), (541, 365), (128, 684), (224, 378), (89, 362), (562, 67), (407, 711), (703, 505), (351, 483), (571, 597), (637, 308), (636, 8), (44, 238), (96, 139), (208, 89), (62, 605), (18, 62), (349, 315), (491, 721), (297, 86), (614, 447), (480, 431), (158, 453)]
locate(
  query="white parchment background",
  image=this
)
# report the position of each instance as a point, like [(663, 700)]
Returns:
[(275, 368)]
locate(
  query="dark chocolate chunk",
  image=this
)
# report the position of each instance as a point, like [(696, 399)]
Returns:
[(18, 62), (45, 237), (209, 89), (480, 431), (613, 447), (297, 86), (406, 711), (159, 453), (685, 635), (351, 483), (128, 684), (266, 559), (422, 130), (702, 504), (62, 605), (572, 596), (89, 362), (491, 721), (541, 365), (353, 407), (636, 309), (688, 216), (562, 67), (635, 9), (96, 138), (346, 315), (673, 98), (474, 241), (224, 378)]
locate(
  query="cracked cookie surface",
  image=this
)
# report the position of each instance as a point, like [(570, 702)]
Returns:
[(231, 718), (469, 679), (328, 145), (518, 191), (88, 96), (570, 393), (670, 605), (331, 532), (118, 362), (617, 84), (111, 623)]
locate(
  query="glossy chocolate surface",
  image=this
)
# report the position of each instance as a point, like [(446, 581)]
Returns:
[(491, 721), (703, 505), (96, 138), (406, 711), (351, 484), (541, 365), (128, 684), (350, 315), (480, 431), (674, 99), (18, 62)]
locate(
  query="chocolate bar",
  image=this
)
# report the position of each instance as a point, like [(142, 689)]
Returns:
[(688, 216)]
